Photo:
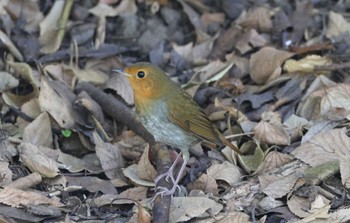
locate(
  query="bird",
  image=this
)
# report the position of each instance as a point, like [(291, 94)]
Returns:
[(171, 115)]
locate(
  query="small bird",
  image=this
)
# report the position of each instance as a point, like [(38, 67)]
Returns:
[(170, 115)]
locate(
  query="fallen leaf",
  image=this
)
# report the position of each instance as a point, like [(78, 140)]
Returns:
[(337, 25), (265, 65), (226, 171), (39, 132), (92, 184), (326, 147), (15, 197), (307, 65), (37, 161), (57, 104), (110, 156), (186, 208), (145, 169), (131, 173), (7, 81)]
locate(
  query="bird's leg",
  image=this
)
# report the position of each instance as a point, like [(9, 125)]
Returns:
[(169, 173), (163, 191)]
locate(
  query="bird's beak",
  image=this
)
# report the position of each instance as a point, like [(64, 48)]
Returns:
[(121, 71)]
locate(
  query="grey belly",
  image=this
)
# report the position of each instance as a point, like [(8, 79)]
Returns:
[(168, 133)]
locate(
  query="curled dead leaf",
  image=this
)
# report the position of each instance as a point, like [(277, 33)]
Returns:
[(265, 65)]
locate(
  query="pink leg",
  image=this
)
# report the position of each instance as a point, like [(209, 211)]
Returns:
[(163, 191), (169, 173)]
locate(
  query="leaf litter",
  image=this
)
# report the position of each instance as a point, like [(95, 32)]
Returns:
[(272, 75)]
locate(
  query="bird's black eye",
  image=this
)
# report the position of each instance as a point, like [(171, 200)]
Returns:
[(141, 74)]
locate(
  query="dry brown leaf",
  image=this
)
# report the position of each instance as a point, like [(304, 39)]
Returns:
[(255, 157), (89, 162), (226, 171), (295, 126), (337, 25), (273, 160), (336, 102), (327, 147), (10, 46), (110, 156), (57, 105), (15, 197), (121, 85), (92, 184), (277, 186), (131, 173), (186, 208), (7, 81), (307, 65), (270, 130), (145, 169), (30, 10), (232, 216), (205, 183), (265, 65), (250, 40), (299, 206), (136, 193), (49, 29), (37, 161), (38, 132), (6, 174), (89, 75), (25, 72), (125, 8), (257, 18), (341, 214)]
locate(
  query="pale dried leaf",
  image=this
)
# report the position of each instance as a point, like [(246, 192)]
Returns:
[(6, 174), (125, 8), (136, 193), (204, 183), (37, 161), (186, 208), (92, 184), (121, 85), (131, 173), (49, 30), (257, 18), (307, 64), (10, 46), (51, 20), (110, 156), (337, 25), (7, 81), (277, 186), (340, 215), (326, 147), (145, 169), (295, 126), (226, 171), (56, 105), (89, 162), (255, 158), (299, 206), (38, 132), (271, 133), (336, 103), (230, 217), (267, 61), (15, 197), (89, 75), (273, 160)]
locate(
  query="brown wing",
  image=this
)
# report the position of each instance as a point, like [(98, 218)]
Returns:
[(189, 116)]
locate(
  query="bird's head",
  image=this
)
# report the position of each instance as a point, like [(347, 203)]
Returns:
[(147, 81)]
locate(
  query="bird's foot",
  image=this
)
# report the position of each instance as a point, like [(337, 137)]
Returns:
[(168, 175), (163, 191)]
